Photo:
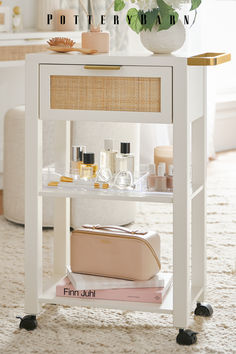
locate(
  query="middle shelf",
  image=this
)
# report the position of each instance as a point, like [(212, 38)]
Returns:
[(152, 197)]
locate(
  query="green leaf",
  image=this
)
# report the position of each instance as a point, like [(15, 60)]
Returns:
[(133, 21), (119, 5), (151, 19), (195, 4), (166, 12)]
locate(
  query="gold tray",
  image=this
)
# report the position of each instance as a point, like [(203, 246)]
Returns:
[(209, 59)]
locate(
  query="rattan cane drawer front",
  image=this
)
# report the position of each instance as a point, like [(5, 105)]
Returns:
[(102, 93), (106, 93)]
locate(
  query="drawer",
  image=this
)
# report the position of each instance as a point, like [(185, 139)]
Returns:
[(18, 52), (114, 93)]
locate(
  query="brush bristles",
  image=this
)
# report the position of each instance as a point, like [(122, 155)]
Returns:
[(61, 42)]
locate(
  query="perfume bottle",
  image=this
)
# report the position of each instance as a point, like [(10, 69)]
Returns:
[(169, 177), (161, 178), (108, 156), (104, 175), (103, 179), (77, 158), (88, 169), (124, 180), (125, 160)]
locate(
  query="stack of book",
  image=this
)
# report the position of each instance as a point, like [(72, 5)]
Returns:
[(94, 287)]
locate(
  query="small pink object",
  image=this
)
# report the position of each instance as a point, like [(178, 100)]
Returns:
[(96, 39)]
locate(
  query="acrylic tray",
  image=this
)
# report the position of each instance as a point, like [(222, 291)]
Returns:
[(51, 175)]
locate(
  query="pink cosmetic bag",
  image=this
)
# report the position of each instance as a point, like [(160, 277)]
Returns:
[(116, 252)]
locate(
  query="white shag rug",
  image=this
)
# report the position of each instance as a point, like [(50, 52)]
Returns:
[(83, 330)]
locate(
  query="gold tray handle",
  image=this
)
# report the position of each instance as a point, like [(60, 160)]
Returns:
[(209, 59)]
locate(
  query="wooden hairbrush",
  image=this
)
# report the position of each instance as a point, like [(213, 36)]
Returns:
[(64, 45)]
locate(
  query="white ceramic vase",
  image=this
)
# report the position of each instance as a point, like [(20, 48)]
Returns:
[(165, 41)]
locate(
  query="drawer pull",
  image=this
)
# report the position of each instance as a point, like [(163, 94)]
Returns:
[(102, 67), (34, 39)]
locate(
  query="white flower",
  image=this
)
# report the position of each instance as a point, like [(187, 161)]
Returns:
[(147, 5), (177, 4)]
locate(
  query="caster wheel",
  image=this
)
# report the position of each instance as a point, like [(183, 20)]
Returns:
[(203, 309), (186, 337), (28, 322)]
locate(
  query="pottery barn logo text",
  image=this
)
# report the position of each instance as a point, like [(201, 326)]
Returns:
[(143, 19)]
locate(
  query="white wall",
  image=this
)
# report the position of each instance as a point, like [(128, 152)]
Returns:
[(221, 37)]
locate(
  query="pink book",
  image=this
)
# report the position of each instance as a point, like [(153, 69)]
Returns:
[(151, 295)]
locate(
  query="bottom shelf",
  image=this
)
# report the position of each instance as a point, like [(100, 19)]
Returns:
[(49, 297)]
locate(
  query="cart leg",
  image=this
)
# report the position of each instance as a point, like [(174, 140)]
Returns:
[(199, 171), (182, 201), (199, 206), (33, 202), (62, 205)]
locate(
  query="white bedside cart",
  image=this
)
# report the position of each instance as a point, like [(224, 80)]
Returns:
[(162, 89)]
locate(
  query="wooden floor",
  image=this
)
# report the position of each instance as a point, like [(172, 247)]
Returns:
[(1, 209)]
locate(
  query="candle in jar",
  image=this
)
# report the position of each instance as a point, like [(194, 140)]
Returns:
[(65, 20)]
